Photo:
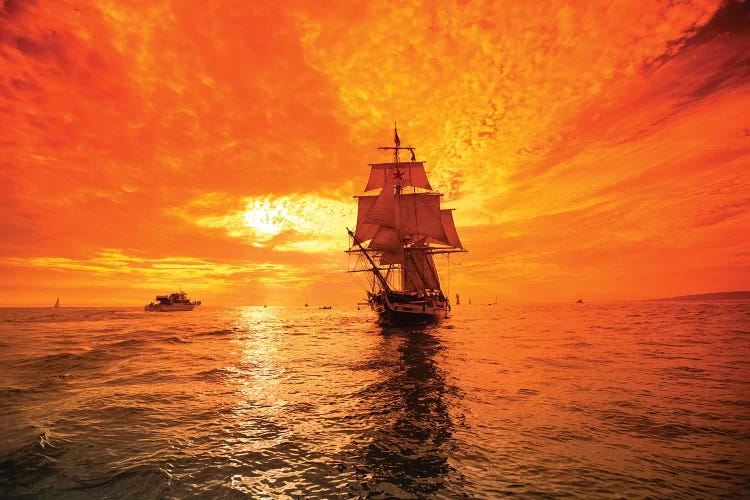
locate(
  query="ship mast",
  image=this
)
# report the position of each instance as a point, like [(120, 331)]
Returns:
[(397, 147)]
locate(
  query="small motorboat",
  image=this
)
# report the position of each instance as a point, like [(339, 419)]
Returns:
[(177, 301)]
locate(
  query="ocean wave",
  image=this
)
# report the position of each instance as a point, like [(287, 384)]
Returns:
[(141, 481), (237, 404), (60, 363), (218, 333), (176, 340), (27, 459), (216, 375)]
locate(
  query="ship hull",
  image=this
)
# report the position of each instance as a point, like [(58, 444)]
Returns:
[(169, 307), (406, 310)]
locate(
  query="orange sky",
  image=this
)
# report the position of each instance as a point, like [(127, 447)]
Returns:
[(599, 150)]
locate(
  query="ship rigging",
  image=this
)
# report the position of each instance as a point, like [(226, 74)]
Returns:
[(399, 231)]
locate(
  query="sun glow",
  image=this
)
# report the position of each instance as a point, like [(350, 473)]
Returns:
[(304, 223), (265, 217)]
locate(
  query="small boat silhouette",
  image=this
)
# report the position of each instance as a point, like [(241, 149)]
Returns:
[(177, 301)]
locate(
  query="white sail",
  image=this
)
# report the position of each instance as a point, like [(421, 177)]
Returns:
[(382, 214), (406, 174), (388, 241), (449, 227), (419, 271), (365, 230), (383, 210), (420, 217)]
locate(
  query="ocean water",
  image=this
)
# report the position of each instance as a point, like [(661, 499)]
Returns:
[(620, 400)]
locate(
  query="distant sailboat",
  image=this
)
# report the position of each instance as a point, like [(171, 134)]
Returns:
[(57, 302)]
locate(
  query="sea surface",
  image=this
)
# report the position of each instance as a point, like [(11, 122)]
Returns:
[(618, 400)]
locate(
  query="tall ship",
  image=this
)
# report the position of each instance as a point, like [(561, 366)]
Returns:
[(400, 231), (177, 301)]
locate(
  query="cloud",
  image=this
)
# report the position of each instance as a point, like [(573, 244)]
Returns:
[(612, 134), (291, 223)]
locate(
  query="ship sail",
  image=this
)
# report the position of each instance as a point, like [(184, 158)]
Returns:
[(398, 232), (419, 272), (446, 218), (411, 174), (57, 302)]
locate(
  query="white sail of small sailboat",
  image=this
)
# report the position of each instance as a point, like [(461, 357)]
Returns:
[(57, 302), (399, 231)]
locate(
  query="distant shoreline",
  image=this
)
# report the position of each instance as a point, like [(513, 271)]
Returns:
[(739, 295)]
